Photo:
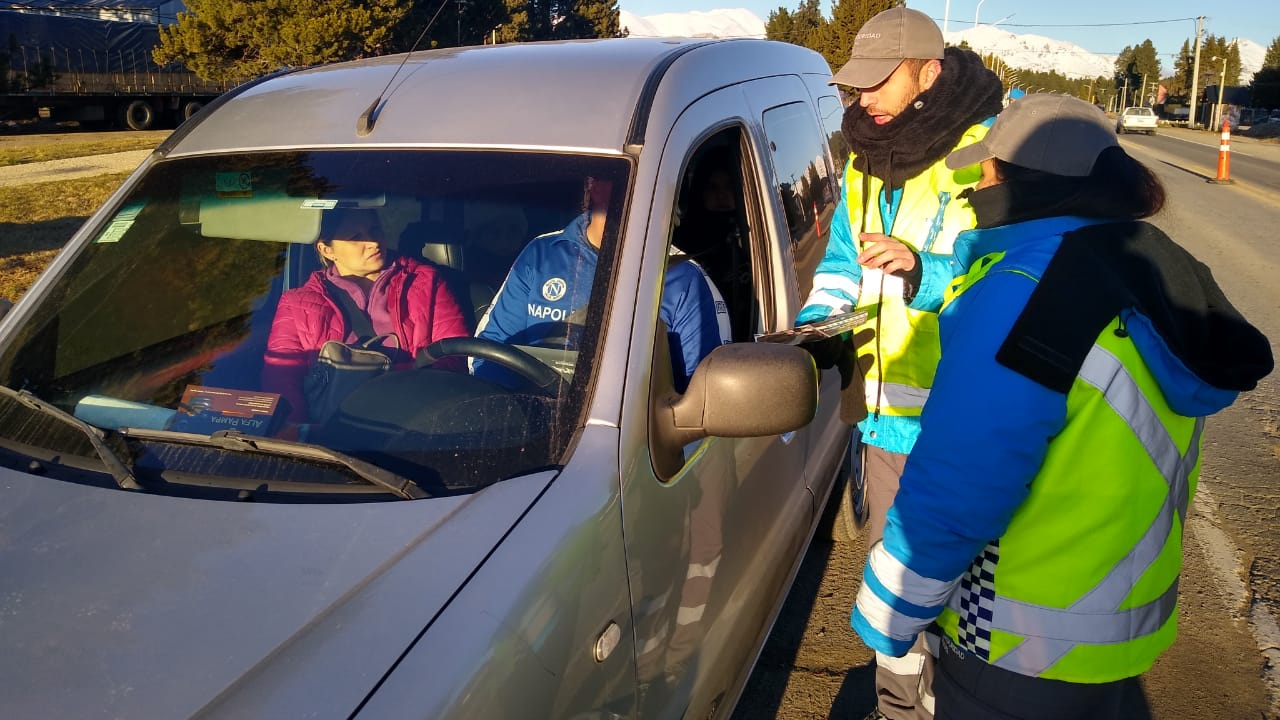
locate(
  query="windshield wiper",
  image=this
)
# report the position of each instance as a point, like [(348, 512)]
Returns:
[(124, 478), (239, 442)]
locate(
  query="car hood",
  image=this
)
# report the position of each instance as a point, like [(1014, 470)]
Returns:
[(122, 604)]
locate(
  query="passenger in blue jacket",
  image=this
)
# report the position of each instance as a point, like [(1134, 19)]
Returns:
[(551, 279)]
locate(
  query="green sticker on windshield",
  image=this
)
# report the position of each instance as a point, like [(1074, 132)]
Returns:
[(121, 223)]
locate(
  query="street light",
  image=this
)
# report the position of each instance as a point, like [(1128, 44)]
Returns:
[(494, 34), (976, 11)]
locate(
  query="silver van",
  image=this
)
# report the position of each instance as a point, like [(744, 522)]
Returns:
[(596, 545)]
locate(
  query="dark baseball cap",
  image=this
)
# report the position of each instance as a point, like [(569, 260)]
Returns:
[(1055, 134), (884, 42)]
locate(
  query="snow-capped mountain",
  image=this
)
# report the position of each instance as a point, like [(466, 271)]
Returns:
[(1251, 56), (1035, 52), (1030, 52), (735, 22)]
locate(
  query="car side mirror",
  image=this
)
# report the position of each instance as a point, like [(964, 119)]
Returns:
[(739, 390)]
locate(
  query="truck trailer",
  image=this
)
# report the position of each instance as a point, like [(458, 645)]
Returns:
[(90, 61)]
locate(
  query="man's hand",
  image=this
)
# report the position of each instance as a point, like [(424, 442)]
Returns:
[(881, 252)]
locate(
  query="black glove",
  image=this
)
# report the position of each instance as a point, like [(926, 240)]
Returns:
[(826, 352)]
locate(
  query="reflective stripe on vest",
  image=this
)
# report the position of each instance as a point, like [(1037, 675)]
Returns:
[(896, 395), (1095, 618)]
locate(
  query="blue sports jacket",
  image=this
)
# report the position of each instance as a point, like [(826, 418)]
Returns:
[(551, 278)]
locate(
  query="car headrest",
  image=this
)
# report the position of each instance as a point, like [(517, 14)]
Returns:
[(431, 241)]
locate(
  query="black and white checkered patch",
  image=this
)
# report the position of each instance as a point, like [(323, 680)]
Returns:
[(977, 602)]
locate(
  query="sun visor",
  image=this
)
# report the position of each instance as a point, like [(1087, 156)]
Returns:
[(267, 217)]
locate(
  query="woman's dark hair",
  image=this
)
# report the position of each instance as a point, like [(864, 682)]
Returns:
[(1118, 188)]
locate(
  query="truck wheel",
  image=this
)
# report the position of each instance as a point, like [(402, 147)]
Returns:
[(139, 115), (191, 108)]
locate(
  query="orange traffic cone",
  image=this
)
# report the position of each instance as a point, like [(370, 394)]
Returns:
[(1224, 157)]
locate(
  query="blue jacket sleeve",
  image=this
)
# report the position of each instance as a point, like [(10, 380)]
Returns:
[(936, 274), (985, 432), (689, 311), (838, 276)]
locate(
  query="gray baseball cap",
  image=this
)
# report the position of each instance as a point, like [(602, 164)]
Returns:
[(1055, 134), (884, 42)]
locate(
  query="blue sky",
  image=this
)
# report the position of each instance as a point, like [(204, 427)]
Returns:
[(1105, 32)]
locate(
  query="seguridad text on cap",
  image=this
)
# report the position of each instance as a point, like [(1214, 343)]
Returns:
[(884, 41)]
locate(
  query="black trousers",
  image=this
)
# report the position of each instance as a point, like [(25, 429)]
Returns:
[(967, 688)]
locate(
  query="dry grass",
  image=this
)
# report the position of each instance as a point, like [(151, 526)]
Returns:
[(59, 151), (37, 219)]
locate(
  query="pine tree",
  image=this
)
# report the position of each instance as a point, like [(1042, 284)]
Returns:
[(834, 40), (235, 40), (795, 27), (1272, 58), (588, 19), (781, 26)]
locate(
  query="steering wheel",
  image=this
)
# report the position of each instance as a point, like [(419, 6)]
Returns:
[(559, 335), (545, 379)]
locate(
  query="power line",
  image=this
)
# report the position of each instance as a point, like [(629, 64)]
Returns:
[(1086, 25)]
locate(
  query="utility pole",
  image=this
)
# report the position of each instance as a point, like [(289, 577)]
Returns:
[(1195, 75), (1222, 84), (1124, 94), (1142, 97)]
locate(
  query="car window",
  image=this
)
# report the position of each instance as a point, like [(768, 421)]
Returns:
[(711, 227), (832, 118), (164, 321), (804, 185)]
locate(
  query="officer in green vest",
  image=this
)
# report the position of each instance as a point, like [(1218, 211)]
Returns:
[(889, 253), (1040, 515)]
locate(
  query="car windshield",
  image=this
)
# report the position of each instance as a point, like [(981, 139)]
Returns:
[(1139, 111), (216, 329)]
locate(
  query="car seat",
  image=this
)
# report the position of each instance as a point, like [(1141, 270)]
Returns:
[(436, 246)]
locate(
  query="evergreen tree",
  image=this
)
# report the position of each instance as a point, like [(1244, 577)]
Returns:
[(1211, 55), (587, 19), (781, 26), (561, 19), (1136, 66), (795, 27), (834, 40), (1272, 58), (465, 22), (235, 40), (1179, 84), (1265, 88)]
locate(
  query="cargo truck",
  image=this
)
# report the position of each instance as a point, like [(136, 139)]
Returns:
[(92, 63)]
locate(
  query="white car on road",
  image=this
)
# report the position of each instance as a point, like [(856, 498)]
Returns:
[(1136, 119)]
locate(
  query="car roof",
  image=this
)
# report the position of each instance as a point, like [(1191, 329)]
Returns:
[(586, 94)]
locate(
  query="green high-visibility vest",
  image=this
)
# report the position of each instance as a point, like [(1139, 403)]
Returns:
[(1083, 585), (928, 218)]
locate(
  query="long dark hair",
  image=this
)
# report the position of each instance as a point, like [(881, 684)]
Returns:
[(1118, 188)]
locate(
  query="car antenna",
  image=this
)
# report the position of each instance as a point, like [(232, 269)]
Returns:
[(364, 124)]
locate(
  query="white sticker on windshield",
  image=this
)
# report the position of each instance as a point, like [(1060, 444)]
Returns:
[(318, 204), (121, 223)]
